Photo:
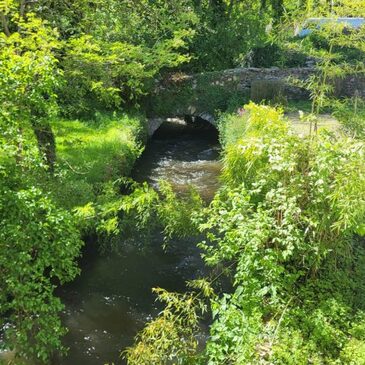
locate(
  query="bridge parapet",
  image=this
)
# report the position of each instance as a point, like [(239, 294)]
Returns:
[(211, 92)]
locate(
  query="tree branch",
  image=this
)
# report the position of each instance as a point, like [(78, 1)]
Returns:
[(4, 23), (22, 8)]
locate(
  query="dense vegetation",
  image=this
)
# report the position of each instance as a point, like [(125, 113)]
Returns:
[(283, 228), (284, 233)]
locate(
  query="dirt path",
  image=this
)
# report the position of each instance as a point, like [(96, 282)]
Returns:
[(326, 121)]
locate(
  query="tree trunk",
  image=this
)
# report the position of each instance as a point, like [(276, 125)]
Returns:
[(46, 143), (22, 8), (4, 23)]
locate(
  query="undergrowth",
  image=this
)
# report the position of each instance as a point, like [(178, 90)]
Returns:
[(286, 230)]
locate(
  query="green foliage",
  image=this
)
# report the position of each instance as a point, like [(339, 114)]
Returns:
[(231, 127), (272, 54), (29, 76), (27, 59), (109, 73), (176, 213), (39, 248), (286, 219), (140, 213), (253, 132), (100, 151), (283, 227), (40, 241), (261, 33), (170, 338), (125, 45), (351, 113), (108, 52), (184, 95), (226, 33), (132, 215), (329, 47), (283, 224), (93, 153), (295, 105)]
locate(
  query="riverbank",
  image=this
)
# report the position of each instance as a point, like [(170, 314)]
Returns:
[(92, 153), (46, 238)]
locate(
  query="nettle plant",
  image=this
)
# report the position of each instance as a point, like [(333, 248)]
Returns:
[(283, 228), (286, 220)]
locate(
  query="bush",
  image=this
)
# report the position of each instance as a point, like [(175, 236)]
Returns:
[(284, 223), (271, 55), (39, 245)]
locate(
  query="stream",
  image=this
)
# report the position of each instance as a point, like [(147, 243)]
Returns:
[(112, 300)]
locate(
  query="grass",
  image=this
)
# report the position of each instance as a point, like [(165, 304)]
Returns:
[(90, 154)]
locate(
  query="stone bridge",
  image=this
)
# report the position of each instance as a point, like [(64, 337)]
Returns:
[(155, 122), (205, 95)]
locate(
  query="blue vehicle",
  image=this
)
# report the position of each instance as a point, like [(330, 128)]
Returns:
[(312, 23)]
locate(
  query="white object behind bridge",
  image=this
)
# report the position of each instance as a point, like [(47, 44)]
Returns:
[(303, 31)]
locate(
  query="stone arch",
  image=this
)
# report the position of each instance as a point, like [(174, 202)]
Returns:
[(155, 123)]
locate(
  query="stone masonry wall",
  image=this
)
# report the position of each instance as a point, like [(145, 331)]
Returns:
[(210, 92)]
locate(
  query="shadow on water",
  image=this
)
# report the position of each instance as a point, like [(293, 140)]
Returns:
[(111, 300), (184, 154)]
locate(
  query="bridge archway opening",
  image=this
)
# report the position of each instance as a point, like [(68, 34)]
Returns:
[(185, 127)]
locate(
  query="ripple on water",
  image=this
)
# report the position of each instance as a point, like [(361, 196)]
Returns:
[(112, 298)]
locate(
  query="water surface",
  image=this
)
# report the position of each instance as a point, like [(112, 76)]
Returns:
[(111, 300)]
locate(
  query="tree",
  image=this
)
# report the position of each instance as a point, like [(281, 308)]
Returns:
[(122, 47), (226, 33), (29, 76)]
